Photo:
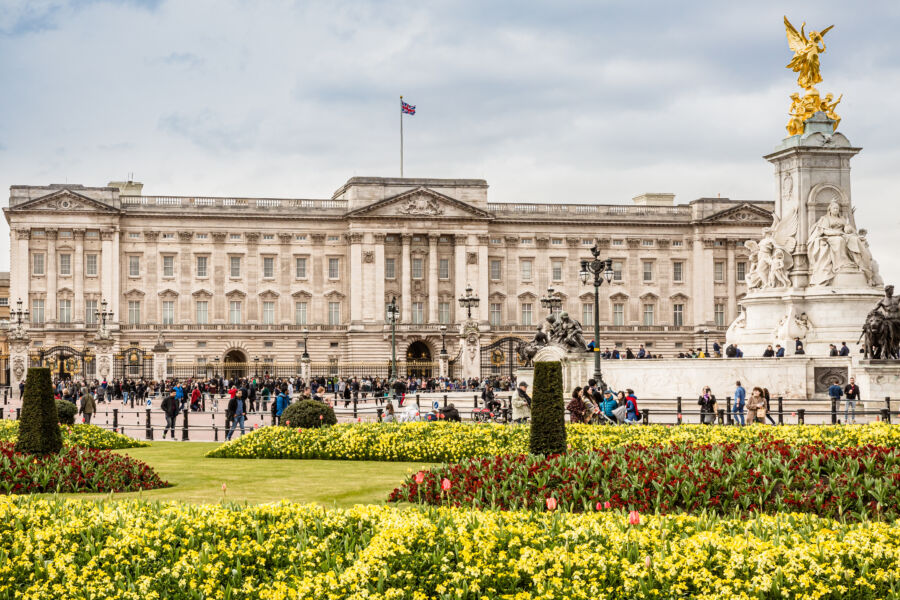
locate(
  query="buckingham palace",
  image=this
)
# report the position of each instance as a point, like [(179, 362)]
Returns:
[(263, 280)]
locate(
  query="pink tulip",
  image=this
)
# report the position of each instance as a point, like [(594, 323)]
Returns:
[(224, 487), (420, 477), (299, 430), (551, 503), (607, 505), (288, 423), (599, 506), (445, 484), (321, 417), (634, 518)]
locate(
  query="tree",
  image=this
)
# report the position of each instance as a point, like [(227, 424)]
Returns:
[(548, 412), (38, 424)]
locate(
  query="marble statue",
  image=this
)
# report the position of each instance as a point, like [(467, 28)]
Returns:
[(835, 247), (771, 258)]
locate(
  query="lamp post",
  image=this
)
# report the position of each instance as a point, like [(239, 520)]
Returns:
[(469, 300), (216, 360), (19, 315), (552, 302), (443, 339), (256, 366), (392, 313), (600, 270), (706, 341), (305, 344)]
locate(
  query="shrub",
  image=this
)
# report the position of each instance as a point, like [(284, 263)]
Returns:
[(548, 412), (65, 412), (39, 425), (308, 414)]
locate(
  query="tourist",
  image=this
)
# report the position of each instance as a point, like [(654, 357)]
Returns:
[(521, 404), (769, 352), (170, 408), (88, 405), (845, 351), (798, 346), (451, 414), (731, 351), (282, 401), (835, 392), (576, 407), (832, 350), (779, 351), (238, 414), (389, 416), (717, 349), (740, 397), (632, 413), (768, 406), (707, 402), (756, 406), (851, 395), (609, 405)]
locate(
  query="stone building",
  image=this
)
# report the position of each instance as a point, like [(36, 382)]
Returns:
[(238, 280)]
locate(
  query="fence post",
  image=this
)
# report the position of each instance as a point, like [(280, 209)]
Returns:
[(274, 416), (354, 407), (721, 416), (149, 426), (215, 433), (646, 416), (728, 416), (131, 399), (780, 410), (184, 427), (476, 400), (678, 408), (885, 415), (445, 400), (801, 416), (834, 408), (18, 413), (887, 403), (116, 420)]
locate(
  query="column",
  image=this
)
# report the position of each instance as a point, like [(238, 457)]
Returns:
[(184, 274), (483, 275), (116, 277), (217, 275), (378, 300), (151, 312), (252, 273), (731, 278), (357, 288), (286, 273), (78, 277), (50, 308), (20, 268), (107, 265), (406, 281), (511, 277), (317, 311), (432, 278), (459, 273)]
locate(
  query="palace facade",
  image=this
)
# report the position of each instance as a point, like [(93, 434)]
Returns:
[(240, 279)]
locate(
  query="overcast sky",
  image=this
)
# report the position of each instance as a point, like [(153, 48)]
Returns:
[(556, 101)]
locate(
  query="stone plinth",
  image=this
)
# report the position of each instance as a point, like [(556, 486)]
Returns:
[(878, 379)]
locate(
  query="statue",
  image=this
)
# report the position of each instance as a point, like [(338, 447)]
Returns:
[(570, 334), (835, 247), (560, 330), (806, 53), (771, 258), (881, 331), (827, 107)]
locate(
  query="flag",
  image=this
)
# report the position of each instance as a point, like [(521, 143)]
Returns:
[(409, 109)]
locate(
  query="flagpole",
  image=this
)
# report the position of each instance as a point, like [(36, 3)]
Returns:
[(401, 137)]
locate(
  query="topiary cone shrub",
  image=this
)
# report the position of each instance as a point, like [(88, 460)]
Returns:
[(548, 412), (39, 424), (306, 413)]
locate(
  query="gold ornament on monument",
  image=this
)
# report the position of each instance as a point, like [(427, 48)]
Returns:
[(806, 64)]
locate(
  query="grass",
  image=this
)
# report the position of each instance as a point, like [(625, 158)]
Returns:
[(199, 480)]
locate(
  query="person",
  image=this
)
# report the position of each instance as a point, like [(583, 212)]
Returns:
[(576, 407), (707, 402), (756, 407), (768, 406), (779, 351), (851, 395), (845, 351), (490, 402), (836, 392), (22, 388), (632, 413), (769, 353), (238, 411), (170, 408), (731, 351), (798, 346), (717, 349), (451, 414), (389, 416), (282, 401), (609, 404), (740, 396), (642, 353), (832, 350), (521, 404), (88, 405)]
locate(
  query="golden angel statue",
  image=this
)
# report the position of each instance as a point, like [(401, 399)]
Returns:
[(806, 53)]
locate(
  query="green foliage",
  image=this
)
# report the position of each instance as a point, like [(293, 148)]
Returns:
[(65, 411), (308, 414), (548, 412), (39, 425)]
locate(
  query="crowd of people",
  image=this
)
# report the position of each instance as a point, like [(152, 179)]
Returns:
[(591, 404)]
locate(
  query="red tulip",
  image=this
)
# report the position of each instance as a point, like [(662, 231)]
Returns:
[(599, 506), (634, 518), (288, 423), (420, 477), (607, 505), (445, 484), (551, 503)]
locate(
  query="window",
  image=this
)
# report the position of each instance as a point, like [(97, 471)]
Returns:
[(234, 312), (268, 266), (648, 270), (526, 270), (334, 268), (418, 313), (646, 243), (527, 241), (678, 271), (90, 265), (235, 266), (334, 313), (587, 314), (300, 267), (65, 311), (587, 242), (495, 269), (741, 271), (719, 271), (202, 312), (678, 314), (617, 270), (557, 270), (417, 268), (168, 266), (618, 242), (235, 236), (335, 238), (202, 266), (134, 266), (268, 313), (134, 312), (720, 314), (526, 313), (648, 314), (496, 241), (168, 312), (268, 236), (90, 312), (444, 268), (300, 237), (300, 313), (496, 314), (92, 234), (65, 264), (201, 236), (677, 243), (134, 235), (4, 301), (390, 268), (37, 311), (618, 313), (444, 313), (168, 236), (556, 242), (37, 263)]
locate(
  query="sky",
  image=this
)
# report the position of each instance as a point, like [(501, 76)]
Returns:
[(564, 101)]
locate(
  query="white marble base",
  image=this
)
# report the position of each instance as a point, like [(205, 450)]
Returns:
[(878, 379)]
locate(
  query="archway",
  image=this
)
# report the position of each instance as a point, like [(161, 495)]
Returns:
[(418, 360), (235, 365)]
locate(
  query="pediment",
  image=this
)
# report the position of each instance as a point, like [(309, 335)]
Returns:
[(420, 203), (202, 293), (744, 213), (65, 201), (167, 292)]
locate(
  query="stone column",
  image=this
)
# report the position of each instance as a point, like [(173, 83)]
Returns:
[(251, 275), (634, 278), (378, 300), (184, 274), (217, 277), (459, 273), (406, 281), (152, 273), (731, 276), (511, 273), (443, 364), (108, 264), (433, 277), (78, 277), (286, 274), (116, 278), (317, 309), (50, 308), (483, 278), (356, 289), (160, 353), (20, 268)]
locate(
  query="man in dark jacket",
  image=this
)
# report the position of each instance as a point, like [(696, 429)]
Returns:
[(238, 411), (170, 408), (851, 395)]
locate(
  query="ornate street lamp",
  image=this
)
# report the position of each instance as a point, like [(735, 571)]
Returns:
[(598, 270), (216, 360), (256, 366), (305, 343), (443, 339), (392, 313), (19, 315), (552, 302), (469, 300)]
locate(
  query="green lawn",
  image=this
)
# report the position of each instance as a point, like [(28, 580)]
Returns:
[(199, 480)]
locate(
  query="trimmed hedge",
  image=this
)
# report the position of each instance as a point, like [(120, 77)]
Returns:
[(548, 412), (39, 423), (308, 414), (65, 412)]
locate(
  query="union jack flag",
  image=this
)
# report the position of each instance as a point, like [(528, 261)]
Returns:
[(409, 109)]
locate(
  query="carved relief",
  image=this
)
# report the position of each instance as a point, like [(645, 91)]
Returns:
[(542, 242), (151, 236), (18, 368), (420, 205), (663, 243), (252, 237), (472, 258), (103, 365), (23, 233), (368, 256), (317, 238), (379, 238), (219, 236), (633, 242), (51, 232), (186, 236), (573, 242), (787, 187), (285, 238), (354, 238)]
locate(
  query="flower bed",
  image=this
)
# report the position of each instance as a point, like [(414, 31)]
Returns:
[(73, 470), (727, 479), (72, 549), (452, 442), (81, 435)]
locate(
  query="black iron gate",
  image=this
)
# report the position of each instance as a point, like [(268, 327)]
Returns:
[(66, 362), (133, 363), (500, 359)]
